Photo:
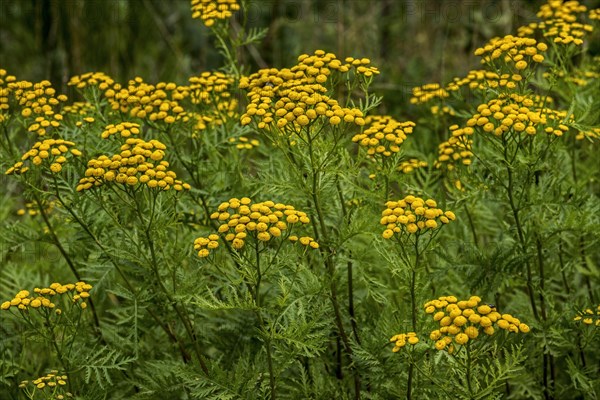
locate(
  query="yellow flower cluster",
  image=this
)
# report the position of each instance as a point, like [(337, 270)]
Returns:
[(33, 209), (158, 102), (54, 382), (517, 113), (456, 149), (295, 97), (461, 321), (400, 340), (483, 80), (592, 134), (514, 113), (210, 11), (210, 87), (79, 108), (515, 52), (88, 79), (561, 31), (589, 317), (50, 151), (139, 162), (594, 14), (5, 90), (383, 135), (559, 21), (437, 110), (413, 215), (242, 219), (408, 166), (427, 92), (38, 102), (77, 292), (561, 9), (123, 129), (243, 143), (475, 80)]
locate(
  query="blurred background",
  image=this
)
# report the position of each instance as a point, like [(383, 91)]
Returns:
[(411, 41)]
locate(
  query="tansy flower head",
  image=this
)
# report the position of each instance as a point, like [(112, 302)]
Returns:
[(158, 103), (427, 92), (291, 99), (33, 209), (512, 53), (514, 114), (402, 339), (210, 11), (408, 166), (51, 385), (242, 220), (5, 92), (243, 143), (383, 135), (463, 320), (123, 129), (99, 79), (139, 162), (475, 80), (413, 215), (589, 316), (46, 297), (49, 153), (39, 102), (456, 150)]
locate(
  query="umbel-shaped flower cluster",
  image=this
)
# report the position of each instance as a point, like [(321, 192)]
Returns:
[(408, 166), (139, 99), (211, 91), (242, 220), (39, 103), (559, 23), (383, 135), (462, 320), (514, 113), (413, 215), (480, 80), (457, 149), (512, 52), (47, 297), (402, 339), (50, 153), (32, 209), (296, 97), (210, 11), (123, 129), (52, 386), (589, 317), (138, 163)]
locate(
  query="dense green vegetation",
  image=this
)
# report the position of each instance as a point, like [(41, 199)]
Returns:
[(250, 200)]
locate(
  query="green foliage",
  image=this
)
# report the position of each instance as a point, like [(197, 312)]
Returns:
[(263, 235)]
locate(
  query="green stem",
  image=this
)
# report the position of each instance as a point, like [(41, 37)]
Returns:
[(411, 367), (349, 266), (471, 225), (327, 252), (262, 321), (123, 276), (468, 369), (183, 315), (522, 242), (66, 256)]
